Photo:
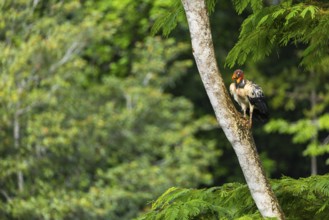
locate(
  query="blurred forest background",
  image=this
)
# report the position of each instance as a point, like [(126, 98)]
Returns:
[(99, 117)]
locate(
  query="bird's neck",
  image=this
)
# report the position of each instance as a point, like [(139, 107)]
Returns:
[(241, 83)]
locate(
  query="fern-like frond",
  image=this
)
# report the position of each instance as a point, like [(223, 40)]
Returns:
[(169, 196), (168, 21), (311, 9), (280, 25), (211, 5), (241, 5), (305, 198)]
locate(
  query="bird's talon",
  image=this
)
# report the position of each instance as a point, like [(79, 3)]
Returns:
[(246, 122)]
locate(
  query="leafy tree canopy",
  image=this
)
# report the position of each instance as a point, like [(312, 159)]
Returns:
[(84, 135)]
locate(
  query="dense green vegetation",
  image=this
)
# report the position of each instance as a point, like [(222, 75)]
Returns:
[(99, 117), (301, 199)]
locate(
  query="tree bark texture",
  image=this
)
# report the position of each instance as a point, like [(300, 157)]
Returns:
[(229, 118)]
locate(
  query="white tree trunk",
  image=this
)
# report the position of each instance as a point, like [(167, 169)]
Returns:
[(229, 119)]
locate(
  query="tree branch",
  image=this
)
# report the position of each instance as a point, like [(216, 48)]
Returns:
[(73, 49)]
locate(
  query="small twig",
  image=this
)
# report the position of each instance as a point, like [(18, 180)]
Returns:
[(325, 141)]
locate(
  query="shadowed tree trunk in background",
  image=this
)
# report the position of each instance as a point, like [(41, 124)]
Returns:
[(229, 119), (313, 101), (16, 134)]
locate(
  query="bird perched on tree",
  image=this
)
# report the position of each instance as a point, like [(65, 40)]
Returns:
[(250, 97)]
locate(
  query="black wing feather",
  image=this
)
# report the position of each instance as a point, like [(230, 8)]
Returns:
[(259, 103), (260, 112)]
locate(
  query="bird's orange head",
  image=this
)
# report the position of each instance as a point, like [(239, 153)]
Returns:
[(238, 76)]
